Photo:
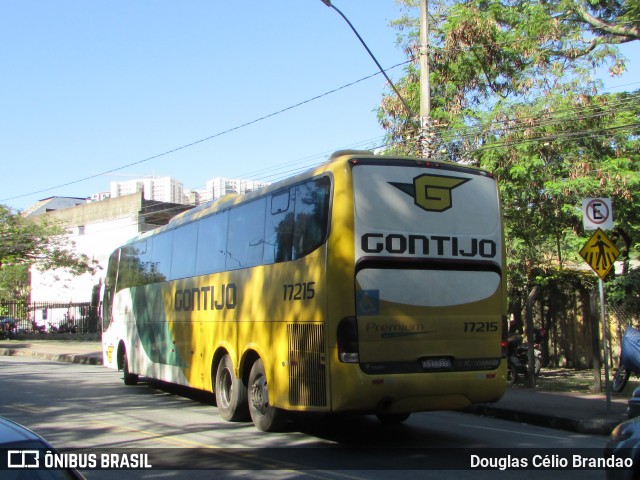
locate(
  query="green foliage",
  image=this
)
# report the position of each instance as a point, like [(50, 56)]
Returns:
[(512, 91), (25, 242), (14, 283), (624, 292)]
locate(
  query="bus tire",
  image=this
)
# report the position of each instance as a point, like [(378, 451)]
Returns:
[(265, 417), (128, 377), (231, 393)]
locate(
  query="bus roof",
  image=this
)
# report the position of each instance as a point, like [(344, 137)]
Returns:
[(337, 157)]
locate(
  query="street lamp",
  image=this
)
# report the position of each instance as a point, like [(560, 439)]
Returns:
[(404, 103)]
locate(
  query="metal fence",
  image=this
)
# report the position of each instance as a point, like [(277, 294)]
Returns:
[(49, 317)]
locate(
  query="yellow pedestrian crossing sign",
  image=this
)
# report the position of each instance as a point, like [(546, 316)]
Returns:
[(600, 253)]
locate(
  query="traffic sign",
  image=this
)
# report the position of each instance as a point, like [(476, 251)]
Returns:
[(600, 253), (597, 213)]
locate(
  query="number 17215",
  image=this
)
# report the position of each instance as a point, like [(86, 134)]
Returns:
[(299, 291), (480, 327)]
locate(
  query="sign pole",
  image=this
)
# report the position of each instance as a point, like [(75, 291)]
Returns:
[(606, 345), (600, 253)]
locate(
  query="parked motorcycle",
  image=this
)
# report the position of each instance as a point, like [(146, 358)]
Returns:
[(516, 364), (518, 357), (629, 359)]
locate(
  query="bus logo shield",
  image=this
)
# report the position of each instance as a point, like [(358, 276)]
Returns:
[(431, 192)]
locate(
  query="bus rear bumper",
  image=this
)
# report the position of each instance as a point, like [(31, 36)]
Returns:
[(420, 392)]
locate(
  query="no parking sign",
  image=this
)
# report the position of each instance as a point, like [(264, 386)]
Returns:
[(597, 213)]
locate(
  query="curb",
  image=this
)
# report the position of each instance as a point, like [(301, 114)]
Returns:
[(588, 426), (56, 357)]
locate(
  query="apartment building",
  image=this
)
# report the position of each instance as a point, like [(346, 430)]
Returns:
[(159, 189)]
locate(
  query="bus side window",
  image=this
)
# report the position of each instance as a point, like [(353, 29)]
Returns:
[(312, 215), (109, 289), (212, 243), (183, 258), (143, 252), (245, 242), (161, 257), (279, 228), (132, 265)]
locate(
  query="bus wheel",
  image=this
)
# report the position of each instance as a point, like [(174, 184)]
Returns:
[(393, 417), (265, 417), (231, 393), (128, 377)]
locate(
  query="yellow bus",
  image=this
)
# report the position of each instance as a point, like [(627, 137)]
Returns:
[(370, 284)]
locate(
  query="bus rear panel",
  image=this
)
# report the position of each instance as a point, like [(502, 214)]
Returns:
[(429, 320)]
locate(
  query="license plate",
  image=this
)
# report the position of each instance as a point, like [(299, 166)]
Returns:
[(436, 363)]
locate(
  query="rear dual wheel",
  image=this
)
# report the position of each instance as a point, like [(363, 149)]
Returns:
[(265, 416), (231, 393)]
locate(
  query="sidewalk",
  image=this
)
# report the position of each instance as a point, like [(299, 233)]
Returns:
[(71, 351), (577, 412)]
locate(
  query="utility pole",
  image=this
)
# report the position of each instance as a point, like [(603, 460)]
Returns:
[(425, 137)]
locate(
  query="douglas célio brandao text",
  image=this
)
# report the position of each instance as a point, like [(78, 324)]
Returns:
[(548, 462)]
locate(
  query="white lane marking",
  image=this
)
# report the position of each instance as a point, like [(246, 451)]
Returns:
[(514, 432)]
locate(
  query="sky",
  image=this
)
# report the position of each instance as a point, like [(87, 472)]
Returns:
[(193, 89)]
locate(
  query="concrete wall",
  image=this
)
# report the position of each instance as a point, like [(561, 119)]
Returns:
[(95, 229)]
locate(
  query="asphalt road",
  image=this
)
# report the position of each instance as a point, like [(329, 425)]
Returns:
[(88, 407)]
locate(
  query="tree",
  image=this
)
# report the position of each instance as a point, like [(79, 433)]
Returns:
[(608, 21), (512, 90), (33, 241), (14, 283), (547, 164), (486, 52)]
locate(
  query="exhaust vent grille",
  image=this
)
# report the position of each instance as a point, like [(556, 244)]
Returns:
[(307, 376)]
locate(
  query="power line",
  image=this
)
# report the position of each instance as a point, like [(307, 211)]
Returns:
[(551, 118), (268, 174), (471, 131), (587, 133), (561, 136), (543, 120), (219, 134)]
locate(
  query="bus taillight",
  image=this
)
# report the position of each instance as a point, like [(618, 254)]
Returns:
[(505, 333), (348, 350)]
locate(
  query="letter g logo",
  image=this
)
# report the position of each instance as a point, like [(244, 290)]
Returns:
[(432, 192)]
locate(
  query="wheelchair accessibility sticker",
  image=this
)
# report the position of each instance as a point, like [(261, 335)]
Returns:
[(368, 302)]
